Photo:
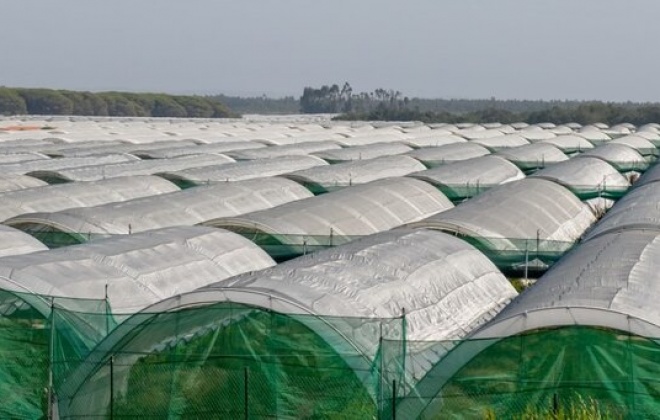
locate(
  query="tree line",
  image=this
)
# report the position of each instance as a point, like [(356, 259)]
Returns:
[(20, 101), (390, 105)]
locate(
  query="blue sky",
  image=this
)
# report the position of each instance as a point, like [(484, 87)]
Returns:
[(526, 49)]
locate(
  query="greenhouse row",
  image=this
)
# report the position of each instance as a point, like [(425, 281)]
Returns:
[(302, 268)]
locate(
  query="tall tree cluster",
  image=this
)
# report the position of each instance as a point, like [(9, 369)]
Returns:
[(19, 101)]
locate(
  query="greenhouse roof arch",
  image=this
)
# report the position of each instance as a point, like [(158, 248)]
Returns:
[(467, 178), (428, 275), (81, 194), (181, 208), (338, 217), (587, 177), (332, 177), (522, 216)]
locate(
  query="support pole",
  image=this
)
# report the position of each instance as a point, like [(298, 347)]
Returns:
[(245, 392)]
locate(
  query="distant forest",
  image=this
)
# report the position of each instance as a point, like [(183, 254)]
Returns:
[(18, 101), (378, 105), (390, 105)]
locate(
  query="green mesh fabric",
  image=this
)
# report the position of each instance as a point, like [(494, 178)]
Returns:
[(237, 361)]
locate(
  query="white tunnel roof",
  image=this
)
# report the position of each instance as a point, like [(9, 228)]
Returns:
[(286, 150), (245, 170), (620, 156), (80, 194), (638, 209), (220, 147), (584, 173), (139, 270), (139, 167), (19, 182), (370, 151), (569, 143), (180, 208), (524, 209), (609, 281), (356, 172), (449, 153), (15, 242), (537, 154), (483, 171), (356, 211), (502, 141)]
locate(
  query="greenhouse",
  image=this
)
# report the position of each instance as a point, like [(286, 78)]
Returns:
[(339, 217), (534, 156), (75, 296), (21, 157), (76, 150), (80, 194), (435, 156), (181, 208), (370, 151), (244, 170), (529, 224), (587, 177), (569, 144), (461, 180), (212, 148), (622, 157), (596, 308), (286, 150), (642, 145), (636, 210), (19, 182), (435, 140), (502, 142), (138, 167), (23, 168), (350, 310), (15, 242), (322, 179)]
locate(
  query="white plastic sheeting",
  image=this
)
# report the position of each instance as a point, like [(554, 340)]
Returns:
[(570, 143), (181, 208), (446, 287), (80, 194), (330, 177), (286, 150), (21, 157), (435, 140), (434, 156), (19, 182), (502, 141), (62, 163), (244, 170), (15, 242), (622, 157), (139, 167), (525, 209), (642, 145), (638, 209), (118, 148), (370, 151), (356, 211), (220, 147), (536, 155), (609, 282), (478, 173), (585, 175), (138, 270)]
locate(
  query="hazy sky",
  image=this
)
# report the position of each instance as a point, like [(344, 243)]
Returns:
[(528, 49)]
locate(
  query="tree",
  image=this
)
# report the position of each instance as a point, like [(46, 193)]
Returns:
[(46, 102), (11, 103)]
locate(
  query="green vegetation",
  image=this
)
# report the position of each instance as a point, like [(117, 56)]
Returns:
[(576, 410), (260, 104), (18, 101), (390, 105)]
